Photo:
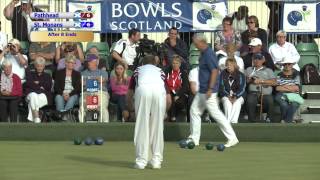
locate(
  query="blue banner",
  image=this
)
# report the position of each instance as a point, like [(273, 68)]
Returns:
[(156, 15)]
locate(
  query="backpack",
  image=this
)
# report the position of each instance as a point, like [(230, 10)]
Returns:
[(309, 75)]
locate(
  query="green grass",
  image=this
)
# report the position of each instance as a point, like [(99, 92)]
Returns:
[(114, 160)]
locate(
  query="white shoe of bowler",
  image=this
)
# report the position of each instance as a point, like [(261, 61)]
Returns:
[(231, 143)]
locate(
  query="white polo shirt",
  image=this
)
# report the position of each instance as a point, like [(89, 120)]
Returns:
[(149, 75), (287, 50), (129, 52), (194, 77)]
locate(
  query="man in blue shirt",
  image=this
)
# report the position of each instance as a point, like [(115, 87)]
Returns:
[(206, 98)]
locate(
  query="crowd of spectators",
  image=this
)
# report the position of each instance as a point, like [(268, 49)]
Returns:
[(54, 74)]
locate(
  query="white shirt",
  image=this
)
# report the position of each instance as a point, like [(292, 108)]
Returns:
[(239, 60), (149, 75), (129, 52), (3, 40), (16, 67), (287, 50), (194, 77)]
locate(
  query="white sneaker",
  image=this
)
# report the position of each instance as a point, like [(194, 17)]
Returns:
[(231, 143), (137, 166), (37, 120), (156, 166)]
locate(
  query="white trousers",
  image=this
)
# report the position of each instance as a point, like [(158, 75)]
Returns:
[(232, 111), (199, 104), (35, 102), (150, 109)]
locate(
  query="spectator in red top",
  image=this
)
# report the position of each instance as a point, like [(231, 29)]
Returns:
[(11, 91), (177, 81)]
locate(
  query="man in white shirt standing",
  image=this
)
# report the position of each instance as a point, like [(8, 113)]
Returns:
[(283, 49), (3, 39), (125, 50), (19, 61)]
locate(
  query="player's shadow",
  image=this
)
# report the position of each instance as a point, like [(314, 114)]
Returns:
[(92, 160)]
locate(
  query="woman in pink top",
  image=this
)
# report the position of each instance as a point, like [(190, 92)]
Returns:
[(119, 86)]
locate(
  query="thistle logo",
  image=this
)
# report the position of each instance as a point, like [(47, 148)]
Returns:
[(295, 16), (203, 16)]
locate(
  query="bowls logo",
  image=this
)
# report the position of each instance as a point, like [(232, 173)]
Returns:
[(294, 17), (203, 16)]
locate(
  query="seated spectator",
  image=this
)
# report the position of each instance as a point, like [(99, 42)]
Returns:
[(125, 50), (102, 62), (119, 87), (19, 61), (260, 80), (45, 50), (69, 50), (67, 86), (283, 49), (230, 53), (11, 91), (240, 19), (61, 51), (255, 47), (177, 82), (288, 83), (232, 90), (94, 73), (176, 46), (38, 90), (226, 36), (253, 32)]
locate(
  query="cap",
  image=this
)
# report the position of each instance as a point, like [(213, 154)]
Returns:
[(14, 41), (255, 42), (287, 60), (258, 56), (91, 57), (24, 1)]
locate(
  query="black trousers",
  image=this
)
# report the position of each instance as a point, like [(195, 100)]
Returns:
[(252, 100), (176, 106), (9, 106), (120, 100)]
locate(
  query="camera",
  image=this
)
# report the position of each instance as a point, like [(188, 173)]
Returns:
[(150, 47)]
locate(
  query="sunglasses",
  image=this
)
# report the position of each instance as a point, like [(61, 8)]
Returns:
[(287, 64), (251, 22)]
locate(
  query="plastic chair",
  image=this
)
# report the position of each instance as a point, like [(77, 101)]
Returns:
[(309, 57), (25, 47), (307, 47), (102, 47)]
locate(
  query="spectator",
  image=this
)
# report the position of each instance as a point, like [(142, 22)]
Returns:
[(282, 50), (11, 91), (119, 86), (45, 50), (227, 35), (3, 39), (176, 46), (260, 80), (177, 82), (230, 53), (253, 32), (240, 19), (70, 49), (194, 87), (102, 64), (38, 90), (67, 86), (94, 73), (62, 51), (288, 83), (232, 90), (275, 17), (255, 46), (125, 50), (19, 61), (20, 18)]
